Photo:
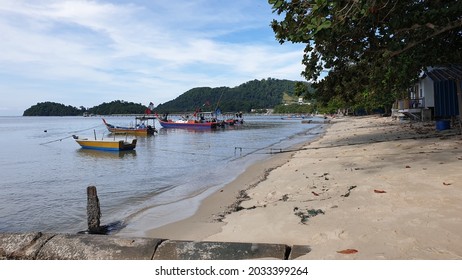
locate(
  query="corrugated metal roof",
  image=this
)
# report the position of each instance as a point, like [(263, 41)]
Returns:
[(452, 72)]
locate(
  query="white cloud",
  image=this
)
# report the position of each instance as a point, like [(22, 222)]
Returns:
[(81, 52)]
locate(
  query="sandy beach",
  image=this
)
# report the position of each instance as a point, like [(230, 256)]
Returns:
[(368, 188)]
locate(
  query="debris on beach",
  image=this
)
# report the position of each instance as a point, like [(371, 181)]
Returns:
[(380, 191), (235, 206), (347, 194), (308, 214), (348, 251)]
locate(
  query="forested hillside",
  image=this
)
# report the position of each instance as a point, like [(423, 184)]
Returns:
[(52, 109), (256, 94), (57, 109), (117, 107)]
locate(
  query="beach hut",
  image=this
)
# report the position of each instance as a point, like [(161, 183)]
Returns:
[(434, 95), (446, 82)]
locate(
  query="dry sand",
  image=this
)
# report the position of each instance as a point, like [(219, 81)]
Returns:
[(369, 188)]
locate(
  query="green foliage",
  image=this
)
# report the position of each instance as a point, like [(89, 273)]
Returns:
[(287, 98), (56, 109), (369, 102), (373, 46), (51, 109), (333, 105), (304, 89), (118, 107), (255, 94)]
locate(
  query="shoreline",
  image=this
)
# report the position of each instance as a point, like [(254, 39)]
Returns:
[(207, 220), (369, 188)]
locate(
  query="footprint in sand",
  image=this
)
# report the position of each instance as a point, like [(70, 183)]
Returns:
[(338, 234)]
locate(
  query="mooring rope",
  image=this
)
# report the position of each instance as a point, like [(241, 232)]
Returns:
[(195, 153), (76, 131), (60, 139)]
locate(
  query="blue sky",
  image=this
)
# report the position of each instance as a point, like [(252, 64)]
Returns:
[(86, 52)]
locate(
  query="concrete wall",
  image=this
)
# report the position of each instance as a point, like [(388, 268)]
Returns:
[(49, 246)]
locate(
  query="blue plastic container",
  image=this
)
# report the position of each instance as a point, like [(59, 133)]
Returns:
[(442, 125)]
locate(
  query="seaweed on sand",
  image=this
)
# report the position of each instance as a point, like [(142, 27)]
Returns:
[(305, 216)]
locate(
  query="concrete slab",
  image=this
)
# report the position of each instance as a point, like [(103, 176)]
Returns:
[(298, 251), (49, 246), (189, 250), (22, 246), (97, 247)]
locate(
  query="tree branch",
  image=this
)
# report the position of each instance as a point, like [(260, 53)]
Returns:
[(434, 34)]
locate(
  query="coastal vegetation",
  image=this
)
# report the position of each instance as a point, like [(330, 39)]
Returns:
[(367, 53), (117, 107), (52, 109), (56, 109), (256, 95)]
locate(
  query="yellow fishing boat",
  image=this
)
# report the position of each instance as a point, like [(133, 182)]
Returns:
[(111, 144)]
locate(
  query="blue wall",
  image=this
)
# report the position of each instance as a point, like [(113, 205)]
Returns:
[(446, 104)]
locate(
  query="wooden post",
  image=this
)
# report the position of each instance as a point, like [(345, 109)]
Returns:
[(93, 210)]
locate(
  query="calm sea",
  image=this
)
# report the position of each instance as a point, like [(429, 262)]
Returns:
[(45, 173)]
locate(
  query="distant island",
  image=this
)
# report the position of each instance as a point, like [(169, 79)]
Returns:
[(56, 109), (280, 95)]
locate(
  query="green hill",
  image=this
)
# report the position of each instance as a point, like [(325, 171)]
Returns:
[(57, 109), (117, 107), (263, 94), (52, 109), (266, 93)]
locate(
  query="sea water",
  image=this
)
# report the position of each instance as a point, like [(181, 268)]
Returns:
[(44, 173)]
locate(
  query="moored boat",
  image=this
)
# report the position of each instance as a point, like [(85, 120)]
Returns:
[(111, 144), (294, 117), (144, 125), (200, 120), (237, 119)]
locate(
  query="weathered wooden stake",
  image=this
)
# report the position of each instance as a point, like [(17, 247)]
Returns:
[(93, 210)]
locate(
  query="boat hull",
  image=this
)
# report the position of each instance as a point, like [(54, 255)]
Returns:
[(139, 132), (193, 125), (107, 145), (149, 130)]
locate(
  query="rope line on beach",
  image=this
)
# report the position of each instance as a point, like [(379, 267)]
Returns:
[(261, 150), (254, 151), (358, 143), (75, 131), (273, 151)]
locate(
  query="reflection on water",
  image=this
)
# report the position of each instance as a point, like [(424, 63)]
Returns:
[(105, 154)]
